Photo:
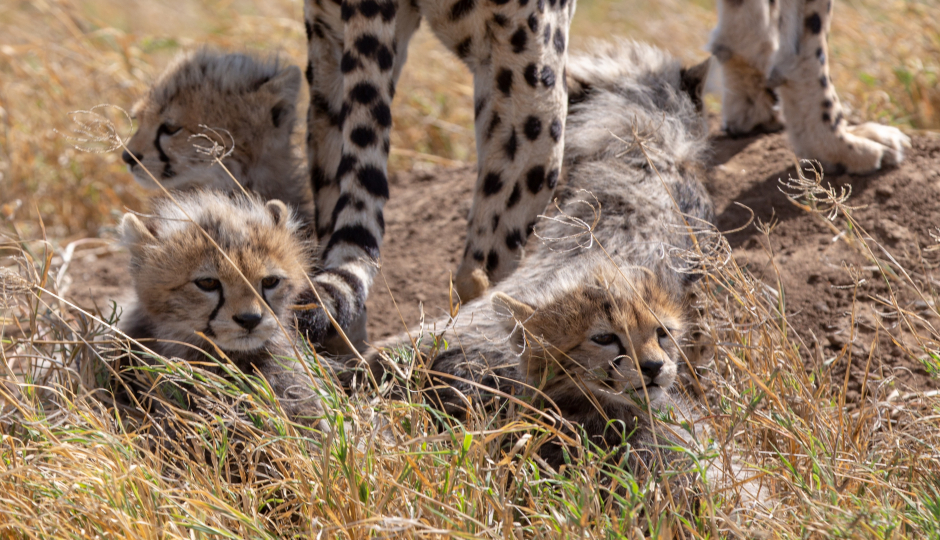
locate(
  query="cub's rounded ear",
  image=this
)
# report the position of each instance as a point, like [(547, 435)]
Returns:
[(507, 305), (510, 312), (693, 81), (279, 212), (135, 235), (285, 88)]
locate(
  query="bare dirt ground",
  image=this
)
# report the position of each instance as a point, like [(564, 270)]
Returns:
[(812, 264)]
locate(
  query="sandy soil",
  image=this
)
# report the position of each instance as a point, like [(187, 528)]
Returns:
[(426, 220)]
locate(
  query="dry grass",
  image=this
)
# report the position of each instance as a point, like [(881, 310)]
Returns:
[(73, 464)]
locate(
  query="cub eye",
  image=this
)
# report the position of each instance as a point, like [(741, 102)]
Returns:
[(208, 284), (270, 282), (663, 336), (604, 339), (169, 129)]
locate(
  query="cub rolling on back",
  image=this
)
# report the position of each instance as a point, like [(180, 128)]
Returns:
[(214, 271), (246, 104)]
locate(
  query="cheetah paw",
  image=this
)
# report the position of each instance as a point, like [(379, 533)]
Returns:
[(891, 141), (471, 284)]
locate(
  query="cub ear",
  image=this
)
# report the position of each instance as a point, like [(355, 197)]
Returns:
[(279, 212), (135, 235), (510, 312), (284, 87), (692, 81)]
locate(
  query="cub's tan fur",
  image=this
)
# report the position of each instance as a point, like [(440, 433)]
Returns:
[(599, 352), (184, 285), (250, 101)]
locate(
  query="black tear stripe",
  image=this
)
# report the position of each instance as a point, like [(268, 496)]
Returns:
[(208, 331), (168, 171)]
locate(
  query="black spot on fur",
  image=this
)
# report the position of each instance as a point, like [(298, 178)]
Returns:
[(552, 178), (346, 164), (478, 256), (461, 9), (478, 105), (515, 196), (362, 136), (824, 81), (504, 81), (373, 180), (278, 114), (317, 178), (814, 23), (364, 93), (463, 48), (348, 63), (309, 73), (356, 235), (518, 40), (827, 103), (500, 2), (547, 34), (492, 261), (495, 222), (346, 11), (494, 123), (388, 10), (514, 239), (540, 5), (367, 44), (535, 178), (309, 29), (369, 9), (555, 129), (531, 75), (548, 76), (533, 23), (382, 114), (340, 205), (533, 128), (492, 183), (826, 118), (559, 41), (529, 229), (512, 144), (500, 20), (380, 219), (384, 58)]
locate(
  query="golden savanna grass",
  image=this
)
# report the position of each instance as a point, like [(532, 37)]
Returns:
[(75, 464)]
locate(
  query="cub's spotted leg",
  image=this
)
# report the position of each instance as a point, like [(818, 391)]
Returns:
[(744, 43), (351, 74), (518, 58), (815, 125)]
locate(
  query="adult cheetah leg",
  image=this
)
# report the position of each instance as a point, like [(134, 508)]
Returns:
[(815, 125), (520, 107), (351, 82), (744, 43)]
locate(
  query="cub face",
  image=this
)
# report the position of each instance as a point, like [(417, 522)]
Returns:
[(249, 102), (185, 284), (610, 338)]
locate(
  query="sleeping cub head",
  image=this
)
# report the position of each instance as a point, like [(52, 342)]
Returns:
[(226, 267), (604, 340)]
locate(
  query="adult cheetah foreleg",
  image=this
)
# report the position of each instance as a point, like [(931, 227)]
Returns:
[(520, 106), (744, 43), (811, 108), (351, 94)]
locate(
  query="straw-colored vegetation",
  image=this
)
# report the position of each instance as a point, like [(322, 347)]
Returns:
[(75, 464)]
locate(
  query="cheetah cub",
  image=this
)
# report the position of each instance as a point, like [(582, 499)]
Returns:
[(239, 303), (250, 103), (600, 351)]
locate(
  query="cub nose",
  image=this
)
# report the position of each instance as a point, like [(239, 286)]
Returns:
[(129, 159), (651, 368), (247, 320)]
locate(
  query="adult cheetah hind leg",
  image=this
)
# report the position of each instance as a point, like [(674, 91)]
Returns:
[(814, 117), (519, 62)]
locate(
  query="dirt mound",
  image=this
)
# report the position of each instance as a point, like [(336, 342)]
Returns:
[(812, 264)]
